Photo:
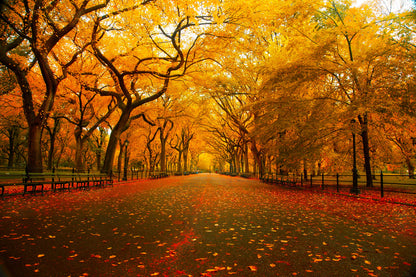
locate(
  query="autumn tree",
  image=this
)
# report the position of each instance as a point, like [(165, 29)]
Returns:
[(52, 130), (32, 42), (13, 135), (232, 102), (87, 112), (223, 143), (171, 107), (97, 141), (347, 53), (164, 132), (152, 152), (180, 142), (156, 43)]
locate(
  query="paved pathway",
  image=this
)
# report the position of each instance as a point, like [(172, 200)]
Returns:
[(205, 224)]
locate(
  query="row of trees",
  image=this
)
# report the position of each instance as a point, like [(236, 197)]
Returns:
[(260, 89), (311, 78), (98, 65)]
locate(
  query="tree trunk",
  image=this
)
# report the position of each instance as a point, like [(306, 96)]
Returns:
[(51, 152), (151, 160), (12, 145), (410, 167), (98, 158), (237, 162), (257, 157), (113, 141), (162, 154), (119, 158), (52, 134), (79, 151), (366, 149), (319, 168), (180, 162), (185, 160), (246, 164), (34, 160), (305, 170)]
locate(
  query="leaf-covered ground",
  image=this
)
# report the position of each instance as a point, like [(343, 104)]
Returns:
[(207, 225)]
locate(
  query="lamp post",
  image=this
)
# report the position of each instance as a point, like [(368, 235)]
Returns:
[(355, 189), (126, 161)]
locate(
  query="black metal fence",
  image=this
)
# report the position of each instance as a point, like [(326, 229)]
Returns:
[(21, 182), (384, 185)]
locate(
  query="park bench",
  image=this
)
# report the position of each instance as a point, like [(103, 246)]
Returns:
[(60, 184), (14, 184), (101, 180), (34, 182), (158, 175), (291, 182), (37, 183), (271, 178), (98, 181), (81, 183), (245, 175)]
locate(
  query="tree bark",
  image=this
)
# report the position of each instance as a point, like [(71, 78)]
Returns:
[(185, 159), (120, 156), (34, 160), (179, 169), (100, 143), (52, 135), (410, 168), (366, 149), (257, 157), (162, 154), (163, 136), (12, 134), (79, 149), (305, 170), (246, 164), (113, 141)]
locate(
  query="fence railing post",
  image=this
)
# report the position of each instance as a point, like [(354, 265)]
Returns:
[(323, 183), (301, 179), (381, 184), (73, 177)]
